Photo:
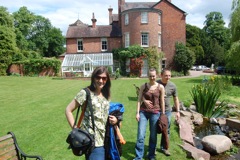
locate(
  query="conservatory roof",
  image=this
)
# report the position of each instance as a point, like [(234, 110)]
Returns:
[(96, 59)]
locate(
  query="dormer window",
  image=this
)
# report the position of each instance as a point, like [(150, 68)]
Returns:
[(144, 17)]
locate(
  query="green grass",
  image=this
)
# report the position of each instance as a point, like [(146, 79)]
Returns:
[(33, 108)]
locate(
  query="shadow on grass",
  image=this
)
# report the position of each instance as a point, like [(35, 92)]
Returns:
[(128, 151), (132, 98)]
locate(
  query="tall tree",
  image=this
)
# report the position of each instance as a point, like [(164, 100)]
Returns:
[(193, 36), (39, 33), (216, 37), (55, 43), (184, 58), (235, 21), (7, 41), (36, 33), (214, 53), (233, 59), (214, 27), (23, 20)]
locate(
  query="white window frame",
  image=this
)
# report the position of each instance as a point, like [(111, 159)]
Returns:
[(145, 39), (159, 39), (127, 39), (87, 66), (126, 19), (144, 17), (159, 18), (104, 44), (80, 45)]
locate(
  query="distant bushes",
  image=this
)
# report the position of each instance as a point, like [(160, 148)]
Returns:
[(34, 67)]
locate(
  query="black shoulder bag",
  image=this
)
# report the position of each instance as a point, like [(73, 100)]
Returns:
[(80, 141)]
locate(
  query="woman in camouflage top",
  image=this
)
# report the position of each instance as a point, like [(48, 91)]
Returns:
[(100, 96)]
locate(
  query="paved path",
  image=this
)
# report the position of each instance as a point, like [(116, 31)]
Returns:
[(195, 74), (198, 73)]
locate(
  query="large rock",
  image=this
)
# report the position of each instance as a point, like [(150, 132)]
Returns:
[(221, 121), (185, 130), (197, 118), (216, 144), (193, 152), (233, 123)]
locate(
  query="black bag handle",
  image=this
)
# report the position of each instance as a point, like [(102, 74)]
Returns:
[(88, 103)]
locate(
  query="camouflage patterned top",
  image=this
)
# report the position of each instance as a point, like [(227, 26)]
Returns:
[(100, 107)]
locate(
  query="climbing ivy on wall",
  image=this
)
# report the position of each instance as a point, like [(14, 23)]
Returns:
[(35, 66), (154, 57)]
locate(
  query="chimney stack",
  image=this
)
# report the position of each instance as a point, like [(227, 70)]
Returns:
[(110, 15), (120, 4), (93, 21)]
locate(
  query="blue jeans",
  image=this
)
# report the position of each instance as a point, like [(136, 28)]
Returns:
[(97, 153), (142, 125), (169, 115)]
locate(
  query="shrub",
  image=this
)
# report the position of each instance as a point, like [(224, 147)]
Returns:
[(117, 73), (184, 58), (235, 80), (33, 67), (15, 74), (187, 103), (178, 74), (154, 56), (110, 70), (221, 82), (205, 97)]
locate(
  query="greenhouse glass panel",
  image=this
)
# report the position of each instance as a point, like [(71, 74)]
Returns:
[(86, 62)]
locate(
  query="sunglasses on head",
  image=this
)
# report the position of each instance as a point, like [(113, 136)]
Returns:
[(99, 77)]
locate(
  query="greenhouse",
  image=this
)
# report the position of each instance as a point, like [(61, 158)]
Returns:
[(82, 65)]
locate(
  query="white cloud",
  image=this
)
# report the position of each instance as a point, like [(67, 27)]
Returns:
[(61, 13), (198, 9)]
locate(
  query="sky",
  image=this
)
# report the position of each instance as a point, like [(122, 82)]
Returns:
[(61, 13)]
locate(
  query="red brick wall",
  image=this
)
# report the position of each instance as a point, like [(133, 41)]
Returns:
[(71, 45), (173, 29), (135, 28), (92, 45), (14, 68), (114, 43)]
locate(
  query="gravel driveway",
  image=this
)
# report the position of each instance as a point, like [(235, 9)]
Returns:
[(198, 73)]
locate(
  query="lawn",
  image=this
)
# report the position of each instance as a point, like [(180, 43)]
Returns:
[(33, 108)]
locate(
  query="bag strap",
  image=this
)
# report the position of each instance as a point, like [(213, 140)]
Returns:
[(82, 114), (77, 116), (88, 102)]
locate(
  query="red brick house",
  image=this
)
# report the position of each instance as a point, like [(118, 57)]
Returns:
[(160, 24)]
